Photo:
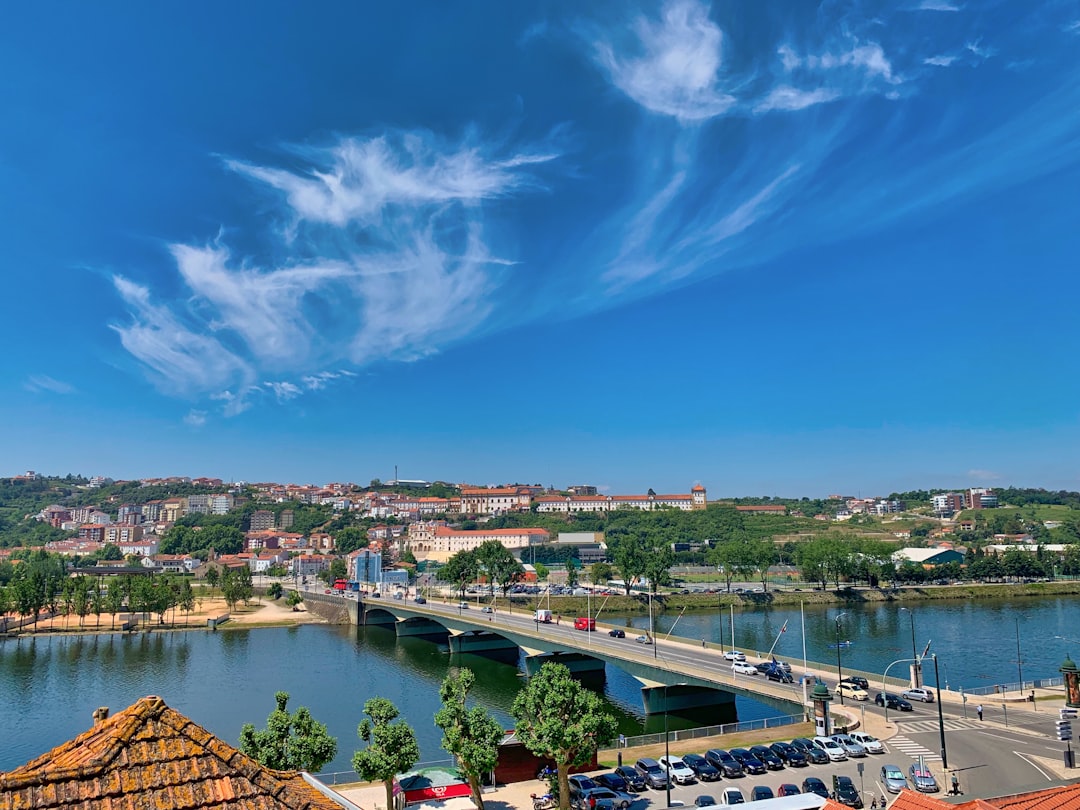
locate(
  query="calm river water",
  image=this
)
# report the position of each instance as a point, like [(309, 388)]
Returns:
[(50, 686)]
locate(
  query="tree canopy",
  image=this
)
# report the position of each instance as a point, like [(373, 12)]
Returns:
[(290, 742), (471, 735), (391, 749)]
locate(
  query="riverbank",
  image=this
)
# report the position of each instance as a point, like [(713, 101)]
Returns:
[(790, 597), (263, 613)]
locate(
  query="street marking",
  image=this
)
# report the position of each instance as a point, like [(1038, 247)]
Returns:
[(913, 749), (1033, 765), (916, 726)]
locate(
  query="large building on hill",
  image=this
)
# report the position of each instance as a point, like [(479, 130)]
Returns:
[(435, 540), (568, 504)]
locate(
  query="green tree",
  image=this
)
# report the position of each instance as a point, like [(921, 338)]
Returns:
[(290, 742), (293, 599), (339, 569), (213, 577), (559, 719), (658, 561), (471, 735), (600, 573), (114, 599), (391, 749), (274, 590), (542, 571), (350, 539), (628, 554), (571, 574), (461, 569), (236, 586), (503, 569)]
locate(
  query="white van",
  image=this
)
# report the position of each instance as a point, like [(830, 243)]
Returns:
[(542, 616)]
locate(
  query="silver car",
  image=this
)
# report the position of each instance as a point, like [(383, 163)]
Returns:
[(893, 778), (851, 748), (922, 779)]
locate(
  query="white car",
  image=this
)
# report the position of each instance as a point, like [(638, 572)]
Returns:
[(734, 655), (831, 748), (742, 668), (850, 690), (868, 741), (681, 773)]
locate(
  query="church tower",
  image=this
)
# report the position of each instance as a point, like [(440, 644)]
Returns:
[(698, 495)]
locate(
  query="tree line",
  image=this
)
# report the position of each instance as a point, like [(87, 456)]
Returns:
[(555, 718)]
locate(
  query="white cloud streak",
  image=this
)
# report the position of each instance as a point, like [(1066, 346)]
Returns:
[(941, 60), (195, 418), (938, 5), (39, 383), (675, 68), (786, 98)]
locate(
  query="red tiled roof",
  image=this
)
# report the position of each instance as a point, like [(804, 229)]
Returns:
[(443, 531), (911, 800), (151, 756), (1066, 797)]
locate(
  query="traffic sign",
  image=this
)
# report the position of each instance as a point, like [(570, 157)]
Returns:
[(1064, 730), (1067, 714)]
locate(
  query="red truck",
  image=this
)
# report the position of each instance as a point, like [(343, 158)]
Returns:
[(581, 623)]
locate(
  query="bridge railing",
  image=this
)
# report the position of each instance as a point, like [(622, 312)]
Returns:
[(1015, 686), (349, 777), (712, 731)]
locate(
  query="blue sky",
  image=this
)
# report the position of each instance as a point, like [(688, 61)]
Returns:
[(777, 248)]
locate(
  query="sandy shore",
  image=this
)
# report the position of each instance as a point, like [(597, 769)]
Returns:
[(262, 612)]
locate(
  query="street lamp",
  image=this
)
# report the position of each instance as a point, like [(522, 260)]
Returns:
[(915, 681), (940, 715), (1019, 665), (667, 749), (839, 673)]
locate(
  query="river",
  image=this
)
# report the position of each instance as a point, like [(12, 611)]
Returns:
[(50, 685)]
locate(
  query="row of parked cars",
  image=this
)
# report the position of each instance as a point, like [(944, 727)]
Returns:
[(618, 788)]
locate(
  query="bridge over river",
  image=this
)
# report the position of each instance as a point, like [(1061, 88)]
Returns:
[(676, 675)]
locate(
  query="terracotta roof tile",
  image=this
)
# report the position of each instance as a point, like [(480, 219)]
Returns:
[(1066, 797), (911, 800), (150, 756)]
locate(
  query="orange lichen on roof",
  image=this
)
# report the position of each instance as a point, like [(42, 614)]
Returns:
[(151, 756), (912, 800), (1066, 797)]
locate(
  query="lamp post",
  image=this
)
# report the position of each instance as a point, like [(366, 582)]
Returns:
[(667, 749), (839, 673), (915, 680), (940, 715), (885, 685), (652, 634)]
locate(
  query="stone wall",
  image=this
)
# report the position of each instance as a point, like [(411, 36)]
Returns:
[(332, 607)]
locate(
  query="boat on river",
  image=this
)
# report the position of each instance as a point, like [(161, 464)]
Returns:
[(843, 645)]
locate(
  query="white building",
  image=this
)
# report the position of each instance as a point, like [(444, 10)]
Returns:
[(435, 540), (569, 504)]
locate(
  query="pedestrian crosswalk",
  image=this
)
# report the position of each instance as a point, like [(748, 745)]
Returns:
[(952, 724), (913, 749)]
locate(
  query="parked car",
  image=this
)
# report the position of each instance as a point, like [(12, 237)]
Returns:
[(634, 780), (851, 748), (921, 779), (734, 655), (759, 792), (850, 690), (579, 782), (832, 748), (893, 778), (704, 801), (766, 755), (791, 755), (732, 795), (749, 762), (615, 632), (704, 769), (678, 771), (742, 668), (924, 695), (643, 639), (845, 792), (606, 797), (613, 781), (724, 762), (862, 683), (868, 741), (812, 784), (813, 754), (650, 770), (892, 701), (788, 789)]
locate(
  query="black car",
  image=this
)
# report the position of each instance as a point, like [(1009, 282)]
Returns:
[(420, 600), (702, 768), (634, 780), (763, 667), (749, 762), (761, 792), (613, 781), (813, 754), (704, 801), (862, 683), (812, 784), (778, 675), (724, 762), (766, 755), (615, 632), (892, 701), (791, 755), (845, 792)]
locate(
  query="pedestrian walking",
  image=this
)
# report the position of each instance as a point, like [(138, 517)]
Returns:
[(873, 803), (703, 644), (978, 710)]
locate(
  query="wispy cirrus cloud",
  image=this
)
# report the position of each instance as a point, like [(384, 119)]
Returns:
[(386, 258), (786, 98), (983, 475), (671, 66), (938, 5), (195, 418), (39, 383), (941, 60)]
